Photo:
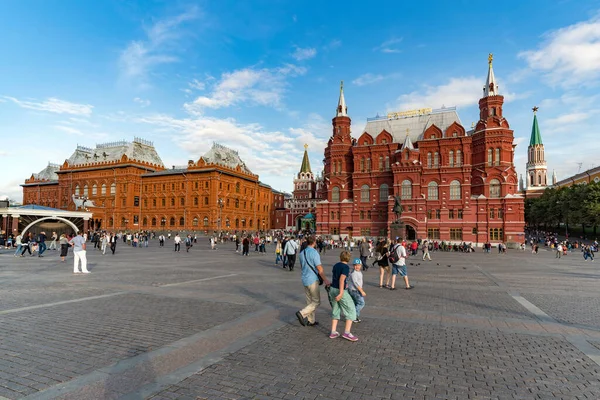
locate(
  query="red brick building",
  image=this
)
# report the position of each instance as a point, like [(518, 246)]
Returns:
[(451, 184), (130, 189)]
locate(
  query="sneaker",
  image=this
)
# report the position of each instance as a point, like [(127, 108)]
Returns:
[(334, 335), (357, 320), (76, 272), (312, 323), (350, 337), (303, 321), (85, 272)]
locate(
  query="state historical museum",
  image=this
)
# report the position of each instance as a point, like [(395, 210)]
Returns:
[(421, 174)]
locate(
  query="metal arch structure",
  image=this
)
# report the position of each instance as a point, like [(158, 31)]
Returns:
[(66, 221)]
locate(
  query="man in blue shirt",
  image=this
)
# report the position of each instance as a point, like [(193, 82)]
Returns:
[(310, 261)]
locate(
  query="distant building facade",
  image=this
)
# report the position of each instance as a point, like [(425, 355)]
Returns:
[(300, 208), (127, 187), (444, 182)]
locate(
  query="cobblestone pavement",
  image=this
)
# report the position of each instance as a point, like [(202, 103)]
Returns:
[(149, 323)]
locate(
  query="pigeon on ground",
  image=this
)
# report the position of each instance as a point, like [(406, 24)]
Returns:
[(438, 263), (412, 264), (464, 267), (448, 265)]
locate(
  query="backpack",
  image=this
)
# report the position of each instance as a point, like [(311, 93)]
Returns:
[(393, 257)]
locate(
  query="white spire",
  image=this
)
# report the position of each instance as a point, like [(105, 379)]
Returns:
[(342, 110), (521, 184), (490, 88), (407, 143), (554, 177)]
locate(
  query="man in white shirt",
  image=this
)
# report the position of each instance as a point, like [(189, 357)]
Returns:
[(177, 242), (399, 267), (291, 247), (78, 243)]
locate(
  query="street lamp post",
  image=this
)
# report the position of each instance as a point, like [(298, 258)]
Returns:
[(220, 204)]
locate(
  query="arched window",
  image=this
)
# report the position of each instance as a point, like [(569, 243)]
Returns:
[(539, 180), (383, 192), (362, 165), (436, 160), (237, 222), (387, 163), (181, 221), (432, 190), (489, 157), (172, 221), (205, 221), (110, 221), (195, 221), (113, 188), (103, 189), (250, 224), (531, 180), (497, 157), (237, 187), (494, 188), (145, 221), (77, 190), (428, 160), (368, 165), (406, 190), (458, 158), (381, 163), (85, 190), (451, 158), (94, 189), (153, 221), (364, 194), (335, 194), (455, 190)]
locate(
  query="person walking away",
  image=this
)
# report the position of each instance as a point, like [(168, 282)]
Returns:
[(363, 249), (384, 266), (355, 288), (426, 251), (79, 245), (188, 243), (64, 247), (246, 246), (399, 266), (291, 247), (53, 242), (340, 299), (177, 242), (284, 259), (559, 251), (41, 243), (103, 243), (19, 244), (311, 270)]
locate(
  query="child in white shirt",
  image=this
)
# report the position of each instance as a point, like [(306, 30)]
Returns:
[(355, 288)]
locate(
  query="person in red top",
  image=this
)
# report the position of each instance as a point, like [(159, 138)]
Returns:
[(414, 247)]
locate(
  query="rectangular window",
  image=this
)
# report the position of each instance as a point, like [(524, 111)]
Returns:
[(430, 214), (332, 215), (492, 213), (497, 157), (206, 201), (145, 203), (206, 184), (124, 202), (164, 202), (172, 201), (450, 214), (196, 185), (136, 220), (365, 231), (433, 233), (460, 214), (153, 202), (438, 214), (182, 201), (455, 234), (501, 213), (496, 234), (362, 215), (136, 201)]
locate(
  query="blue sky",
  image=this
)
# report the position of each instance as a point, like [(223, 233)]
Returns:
[(263, 76)]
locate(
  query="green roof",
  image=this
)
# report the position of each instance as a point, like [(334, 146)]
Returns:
[(305, 163), (536, 137)]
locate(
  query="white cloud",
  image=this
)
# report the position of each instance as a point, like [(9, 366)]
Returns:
[(569, 56), (458, 92), (196, 84), (368, 78), (54, 105), (264, 87), (568, 118), (333, 44), (304, 53), (142, 102), (69, 129), (389, 46), (140, 56)]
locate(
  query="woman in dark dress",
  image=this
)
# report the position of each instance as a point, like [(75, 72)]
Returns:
[(384, 266), (64, 247)]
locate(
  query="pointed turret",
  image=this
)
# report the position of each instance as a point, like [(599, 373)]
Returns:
[(491, 87), (342, 110), (305, 162), (536, 137), (407, 143), (521, 183), (554, 177)]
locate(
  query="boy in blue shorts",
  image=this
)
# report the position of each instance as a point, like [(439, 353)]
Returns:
[(340, 298), (355, 287)]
